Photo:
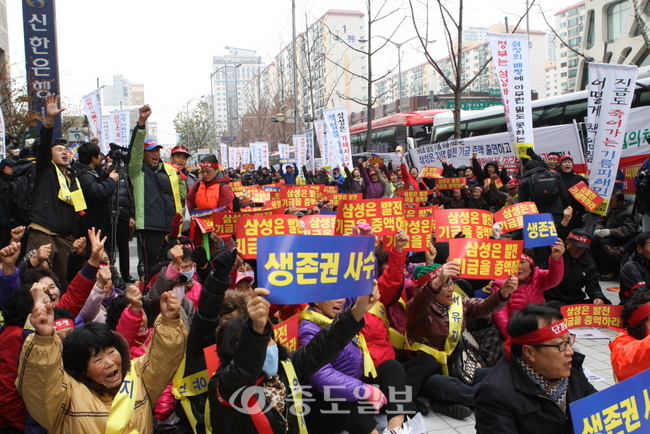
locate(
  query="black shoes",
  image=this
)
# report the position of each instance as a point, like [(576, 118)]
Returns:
[(456, 411)]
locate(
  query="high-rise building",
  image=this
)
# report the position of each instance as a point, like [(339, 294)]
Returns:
[(123, 93), (475, 34), (417, 80), (4, 33), (230, 73), (569, 25), (551, 40)]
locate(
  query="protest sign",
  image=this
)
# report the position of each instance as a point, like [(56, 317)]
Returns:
[(300, 149), (419, 230), (450, 183), (621, 408), (486, 183), (310, 163), (225, 223), (290, 161), (257, 195), (325, 191), (237, 188), (511, 217), (286, 332), (319, 224), (338, 132), (539, 230), (473, 223), (423, 211), (589, 315), (300, 196), (586, 196), (120, 127), (92, 103), (224, 154), (336, 198), (386, 216), (414, 196), (295, 269), (431, 172), (375, 159), (323, 143), (283, 150), (251, 228), (485, 259)]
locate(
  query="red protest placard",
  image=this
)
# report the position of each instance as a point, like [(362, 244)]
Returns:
[(586, 196), (413, 196), (419, 230), (325, 190), (225, 223), (512, 218), (319, 224), (336, 198), (431, 172), (212, 360), (589, 315), (449, 183), (301, 196), (486, 259), (236, 187), (248, 166), (251, 227), (386, 216), (376, 160), (423, 211), (498, 183), (286, 332), (473, 223)]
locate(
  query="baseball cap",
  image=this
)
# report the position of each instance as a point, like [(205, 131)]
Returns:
[(580, 238), (150, 145), (513, 183), (180, 149), (242, 276), (7, 162)]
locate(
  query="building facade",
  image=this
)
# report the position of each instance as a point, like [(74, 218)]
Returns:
[(569, 26), (4, 32), (123, 93)]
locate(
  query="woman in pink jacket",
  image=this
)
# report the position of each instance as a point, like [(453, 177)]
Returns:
[(533, 281)]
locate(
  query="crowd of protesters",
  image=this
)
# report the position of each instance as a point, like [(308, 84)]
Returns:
[(84, 350)]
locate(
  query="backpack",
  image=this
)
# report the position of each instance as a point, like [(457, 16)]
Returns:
[(543, 188), (22, 192)]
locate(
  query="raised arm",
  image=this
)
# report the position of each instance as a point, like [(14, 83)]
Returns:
[(136, 149)]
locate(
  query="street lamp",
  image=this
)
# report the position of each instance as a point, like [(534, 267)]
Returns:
[(187, 119), (214, 127), (399, 61)]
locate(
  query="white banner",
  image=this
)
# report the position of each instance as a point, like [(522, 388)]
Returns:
[(496, 147), (224, 155), (283, 150), (338, 131), (511, 58), (245, 156), (120, 126), (637, 134), (300, 150), (323, 144), (3, 131), (611, 88), (106, 130), (309, 135), (265, 154), (92, 103), (235, 157)]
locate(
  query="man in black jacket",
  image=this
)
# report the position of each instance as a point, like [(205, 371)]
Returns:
[(545, 188), (570, 178), (636, 272), (531, 387), (579, 272)]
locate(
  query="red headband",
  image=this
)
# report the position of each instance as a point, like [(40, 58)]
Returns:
[(579, 239), (208, 165), (63, 323), (528, 259), (537, 337), (429, 276), (640, 314)]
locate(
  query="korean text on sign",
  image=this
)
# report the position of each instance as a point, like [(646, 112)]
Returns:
[(473, 223), (336, 198), (412, 196), (586, 196), (485, 259), (511, 217), (423, 211), (319, 224), (621, 408), (419, 231), (286, 332), (301, 197), (539, 230), (251, 228), (225, 223), (431, 172), (589, 315), (450, 183), (386, 216), (296, 270)]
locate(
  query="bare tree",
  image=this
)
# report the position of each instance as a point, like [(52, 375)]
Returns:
[(642, 26), (14, 102), (562, 40), (195, 128)]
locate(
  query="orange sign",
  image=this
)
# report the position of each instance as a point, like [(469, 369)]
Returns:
[(586, 196), (319, 224), (302, 197), (486, 259), (248, 166), (497, 181), (588, 315), (286, 332), (419, 230), (225, 223), (423, 211), (325, 190), (376, 159), (450, 183), (336, 198), (431, 172), (473, 223), (386, 216), (413, 196), (237, 188), (251, 227), (512, 218)]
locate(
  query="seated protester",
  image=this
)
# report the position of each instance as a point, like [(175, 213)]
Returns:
[(250, 357), (532, 282), (350, 377), (580, 275), (530, 389), (458, 200), (631, 349), (374, 183), (88, 375), (545, 188), (428, 322), (476, 201), (243, 284), (636, 272), (614, 230), (234, 304)]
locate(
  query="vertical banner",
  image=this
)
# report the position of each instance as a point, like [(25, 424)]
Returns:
[(323, 145), (283, 150), (300, 150), (511, 57), (264, 146), (245, 156), (611, 88), (92, 103), (106, 131), (338, 130), (3, 131), (256, 154), (235, 156), (41, 58), (224, 155), (309, 135), (119, 124)]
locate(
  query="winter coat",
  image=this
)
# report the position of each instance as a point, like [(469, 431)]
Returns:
[(126, 197), (635, 276), (451, 202), (13, 407), (226, 195), (570, 179), (8, 284), (630, 355), (289, 178), (166, 281), (246, 370), (578, 274), (352, 184), (407, 178), (556, 207), (64, 405), (338, 181), (509, 402), (372, 190), (622, 222), (530, 291), (98, 194)]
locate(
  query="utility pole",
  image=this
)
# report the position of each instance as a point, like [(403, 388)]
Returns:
[(295, 69)]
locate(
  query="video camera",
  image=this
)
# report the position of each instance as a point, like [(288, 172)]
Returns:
[(118, 153)]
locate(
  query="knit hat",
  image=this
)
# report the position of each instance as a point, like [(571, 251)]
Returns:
[(421, 270)]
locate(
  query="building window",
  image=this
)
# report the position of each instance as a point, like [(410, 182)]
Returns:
[(617, 13), (591, 30), (563, 74)]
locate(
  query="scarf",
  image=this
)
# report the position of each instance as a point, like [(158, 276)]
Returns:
[(556, 390), (74, 198), (276, 392)]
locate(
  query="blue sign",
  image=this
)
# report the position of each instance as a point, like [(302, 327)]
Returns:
[(539, 230), (308, 268), (41, 60), (228, 139), (622, 408), (271, 188), (326, 212), (287, 161)]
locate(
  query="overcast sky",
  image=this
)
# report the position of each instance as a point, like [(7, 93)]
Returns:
[(168, 45)]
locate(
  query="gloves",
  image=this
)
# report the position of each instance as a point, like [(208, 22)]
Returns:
[(530, 152), (602, 233), (223, 263), (200, 256), (376, 398), (177, 221), (496, 230)]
